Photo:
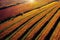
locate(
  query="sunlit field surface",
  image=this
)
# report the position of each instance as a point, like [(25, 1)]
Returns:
[(29, 19)]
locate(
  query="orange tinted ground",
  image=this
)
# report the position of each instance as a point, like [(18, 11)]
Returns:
[(22, 21), (47, 10)]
